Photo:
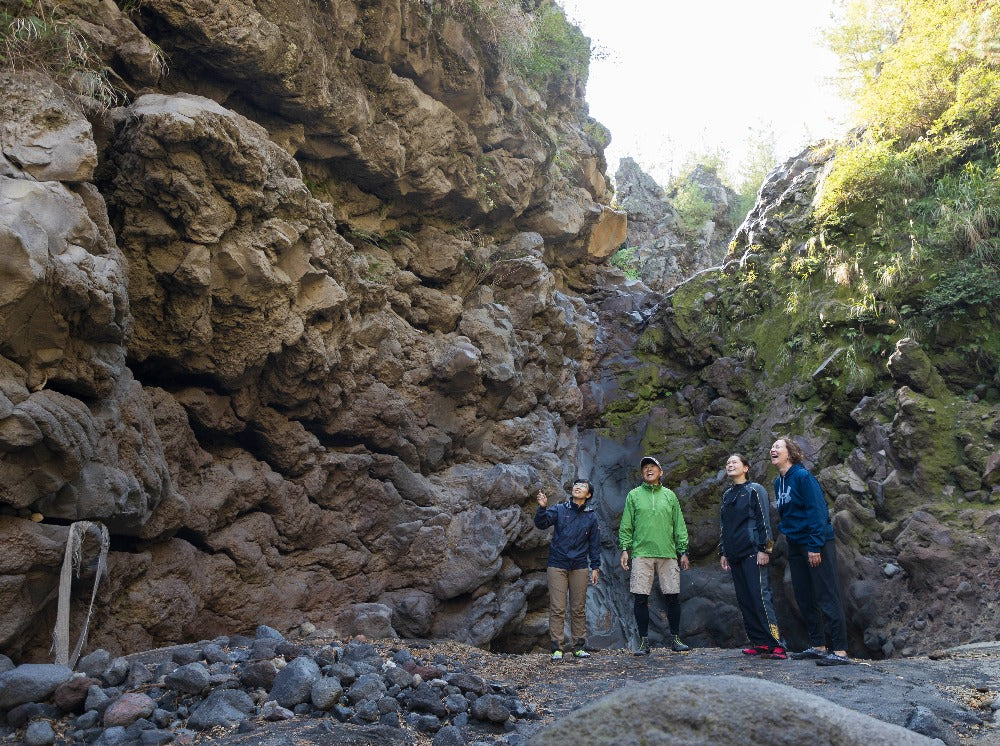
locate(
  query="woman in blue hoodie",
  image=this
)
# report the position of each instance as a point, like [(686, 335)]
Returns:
[(576, 543), (812, 556)]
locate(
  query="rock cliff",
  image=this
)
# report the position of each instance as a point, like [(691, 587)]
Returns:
[(304, 299), (290, 310), (905, 443), (673, 235)]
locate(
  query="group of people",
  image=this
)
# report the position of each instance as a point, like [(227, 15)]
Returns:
[(653, 539)]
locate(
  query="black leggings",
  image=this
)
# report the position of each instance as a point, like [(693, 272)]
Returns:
[(641, 608), (818, 595)]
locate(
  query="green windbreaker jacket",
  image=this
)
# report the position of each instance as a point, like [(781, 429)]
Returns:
[(652, 524)]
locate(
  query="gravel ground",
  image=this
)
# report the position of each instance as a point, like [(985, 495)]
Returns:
[(958, 685)]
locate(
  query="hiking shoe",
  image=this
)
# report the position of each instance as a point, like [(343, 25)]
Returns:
[(557, 655), (777, 653), (809, 654), (677, 646), (834, 660), (643, 646), (756, 650), (581, 654)]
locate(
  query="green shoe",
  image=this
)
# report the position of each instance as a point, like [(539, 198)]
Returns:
[(557, 655), (677, 646), (581, 654), (643, 647)]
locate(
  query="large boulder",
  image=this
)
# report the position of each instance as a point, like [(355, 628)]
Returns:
[(720, 710)]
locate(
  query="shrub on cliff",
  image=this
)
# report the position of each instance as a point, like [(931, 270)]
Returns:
[(914, 197), (40, 35), (537, 42)]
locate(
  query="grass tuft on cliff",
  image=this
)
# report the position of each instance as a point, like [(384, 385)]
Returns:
[(40, 35), (533, 39)]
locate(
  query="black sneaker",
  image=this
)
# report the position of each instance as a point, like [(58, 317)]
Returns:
[(834, 660), (677, 646), (809, 654), (643, 647)]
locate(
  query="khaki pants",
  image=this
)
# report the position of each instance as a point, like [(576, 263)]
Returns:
[(561, 581)]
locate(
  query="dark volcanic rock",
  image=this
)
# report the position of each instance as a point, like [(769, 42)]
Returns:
[(223, 707)]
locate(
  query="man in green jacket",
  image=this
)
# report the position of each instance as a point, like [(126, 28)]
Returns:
[(654, 537)]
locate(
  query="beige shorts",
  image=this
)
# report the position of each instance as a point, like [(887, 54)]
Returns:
[(643, 569)]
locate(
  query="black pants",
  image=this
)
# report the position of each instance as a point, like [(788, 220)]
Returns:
[(817, 594), (753, 594)]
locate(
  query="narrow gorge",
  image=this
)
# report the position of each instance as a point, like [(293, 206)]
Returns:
[(305, 299)]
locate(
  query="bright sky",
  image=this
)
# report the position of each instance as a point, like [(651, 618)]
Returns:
[(681, 77)]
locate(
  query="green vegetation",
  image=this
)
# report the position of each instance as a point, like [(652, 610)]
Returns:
[(910, 212), (627, 261), (693, 209), (40, 35), (540, 43), (761, 158)]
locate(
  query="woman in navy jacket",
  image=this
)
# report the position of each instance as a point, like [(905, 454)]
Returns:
[(812, 556), (745, 543), (576, 542)]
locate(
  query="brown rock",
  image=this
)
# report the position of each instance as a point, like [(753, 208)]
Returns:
[(70, 696)]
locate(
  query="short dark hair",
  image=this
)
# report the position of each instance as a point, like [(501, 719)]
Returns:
[(795, 452), (741, 457), (590, 487)]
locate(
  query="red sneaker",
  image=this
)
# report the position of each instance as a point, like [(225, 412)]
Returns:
[(757, 650), (778, 653)]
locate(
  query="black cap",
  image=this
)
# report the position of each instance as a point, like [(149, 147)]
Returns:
[(650, 460)]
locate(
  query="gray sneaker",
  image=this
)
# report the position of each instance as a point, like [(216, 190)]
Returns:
[(643, 646), (677, 646)]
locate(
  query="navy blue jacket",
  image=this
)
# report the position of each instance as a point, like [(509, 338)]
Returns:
[(744, 523), (576, 537), (805, 517)]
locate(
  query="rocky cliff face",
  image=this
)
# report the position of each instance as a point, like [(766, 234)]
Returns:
[(907, 451), (310, 311), (670, 244), (295, 319)]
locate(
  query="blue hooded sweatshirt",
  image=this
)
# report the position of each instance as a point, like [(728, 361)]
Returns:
[(577, 535), (805, 517)]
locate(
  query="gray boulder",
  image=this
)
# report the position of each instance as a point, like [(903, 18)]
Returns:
[(225, 707), (293, 684), (492, 708), (39, 733), (192, 678), (923, 720), (326, 693), (95, 663), (720, 710), (31, 682)]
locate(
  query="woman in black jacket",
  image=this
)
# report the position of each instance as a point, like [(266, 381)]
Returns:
[(744, 551)]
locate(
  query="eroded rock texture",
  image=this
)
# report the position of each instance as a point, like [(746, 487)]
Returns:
[(295, 321), (906, 452), (667, 252)]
